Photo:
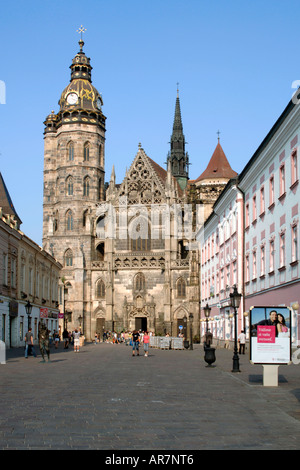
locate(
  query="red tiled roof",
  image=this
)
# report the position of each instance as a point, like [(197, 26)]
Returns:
[(218, 166)]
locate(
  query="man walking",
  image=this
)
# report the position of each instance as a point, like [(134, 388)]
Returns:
[(242, 342), (29, 342)]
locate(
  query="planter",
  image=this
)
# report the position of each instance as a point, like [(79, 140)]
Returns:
[(209, 356)]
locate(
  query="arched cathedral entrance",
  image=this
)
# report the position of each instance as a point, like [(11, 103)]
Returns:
[(99, 323), (141, 323)]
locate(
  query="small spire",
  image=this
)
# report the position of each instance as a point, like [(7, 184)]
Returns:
[(177, 89), (218, 136), (81, 42)]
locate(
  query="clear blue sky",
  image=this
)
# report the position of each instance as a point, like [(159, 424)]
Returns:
[(235, 62)]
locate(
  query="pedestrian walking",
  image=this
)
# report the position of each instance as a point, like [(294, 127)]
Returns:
[(56, 339), (146, 343), (66, 338), (242, 342), (96, 338), (76, 336), (135, 343), (29, 343)]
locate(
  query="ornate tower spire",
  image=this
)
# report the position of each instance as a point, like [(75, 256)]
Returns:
[(177, 156)]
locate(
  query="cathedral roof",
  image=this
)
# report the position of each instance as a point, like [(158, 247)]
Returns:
[(142, 171), (163, 174), (218, 166), (6, 202), (80, 93), (80, 101)]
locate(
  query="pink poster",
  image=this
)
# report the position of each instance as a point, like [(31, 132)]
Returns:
[(43, 313), (266, 334)]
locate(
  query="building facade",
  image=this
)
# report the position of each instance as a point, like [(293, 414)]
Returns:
[(222, 262), (251, 239), (126, 248), (270, 183), (28, 274)]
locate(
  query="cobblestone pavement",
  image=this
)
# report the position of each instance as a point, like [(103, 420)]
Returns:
[(103, 398)]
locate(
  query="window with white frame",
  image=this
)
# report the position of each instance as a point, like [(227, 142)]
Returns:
[(254, 209), (272, 255), (247, 268), (282, 249), (294, 243), (247, 215), (30, 283), (5, 269), (294, 166), (282, 180), (254, 264), (234, 274), (271, 191), (13, 274), (262, 200), (23, 278), (262, 260), (222, 280)]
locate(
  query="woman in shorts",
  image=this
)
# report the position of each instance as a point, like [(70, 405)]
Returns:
[(146, 340), (76, 335)]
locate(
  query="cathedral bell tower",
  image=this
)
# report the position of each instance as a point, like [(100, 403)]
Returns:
[(177, 157), (74, 142)]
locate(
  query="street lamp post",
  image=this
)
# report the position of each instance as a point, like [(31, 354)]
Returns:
[(191, 329), (28, 308), (207, 310), (235, 298)]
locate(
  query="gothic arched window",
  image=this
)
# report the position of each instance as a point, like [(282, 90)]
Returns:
[(100, 155), (139, 232), (69, 258), (71, 151), (69, 220), (70, 186), (181, 288), (86, 186), (139, 282), (86, 152), (100, 289)]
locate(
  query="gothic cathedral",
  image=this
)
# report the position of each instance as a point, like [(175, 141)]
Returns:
[(128, 253)]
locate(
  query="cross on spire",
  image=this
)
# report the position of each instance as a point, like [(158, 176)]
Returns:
[(218, 136), (81, 42), (81, 30)]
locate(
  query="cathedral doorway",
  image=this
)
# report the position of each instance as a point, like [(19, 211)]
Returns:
[(141, 323), (100, 325)]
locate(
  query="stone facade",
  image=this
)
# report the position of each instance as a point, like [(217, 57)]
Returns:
[(127, 261)]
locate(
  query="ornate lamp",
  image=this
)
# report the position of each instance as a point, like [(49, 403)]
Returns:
[(207, 310), (191, 329), (235, 299), (28, 308)]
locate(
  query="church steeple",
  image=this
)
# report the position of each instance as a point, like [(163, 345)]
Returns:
[(177, 157)]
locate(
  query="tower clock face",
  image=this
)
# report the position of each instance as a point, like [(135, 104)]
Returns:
[(72, 98), (98, 103)]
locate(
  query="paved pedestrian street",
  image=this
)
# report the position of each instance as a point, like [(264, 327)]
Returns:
[(103, 398)]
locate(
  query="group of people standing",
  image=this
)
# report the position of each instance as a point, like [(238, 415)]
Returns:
[(144, 337), (70, 337), (67, 336), (134, 339)]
